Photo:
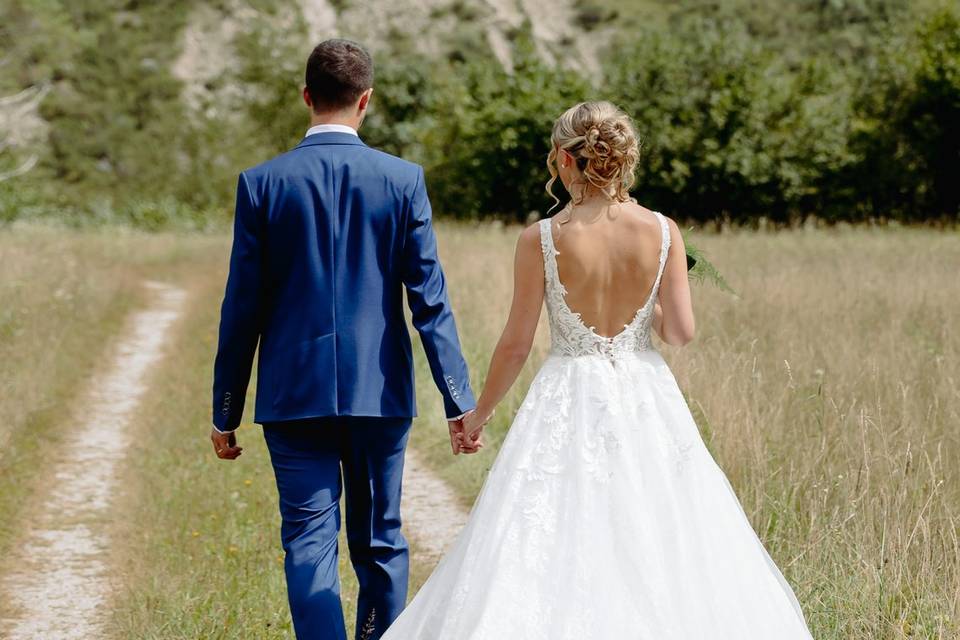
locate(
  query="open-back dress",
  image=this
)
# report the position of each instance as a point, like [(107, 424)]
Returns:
[(604, 515)]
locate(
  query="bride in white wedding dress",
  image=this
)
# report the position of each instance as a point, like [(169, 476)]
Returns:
[(604, 515)]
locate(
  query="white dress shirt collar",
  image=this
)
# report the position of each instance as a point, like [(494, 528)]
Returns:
[(327, 128)]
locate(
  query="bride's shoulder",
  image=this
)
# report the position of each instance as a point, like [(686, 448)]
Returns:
[(529, 238), (529, 247), (675, 236), (641, 213), (530, 235), (649, 216)]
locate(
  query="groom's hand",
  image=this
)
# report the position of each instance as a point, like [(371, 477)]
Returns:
[(225, 445), (471, 433), (456, 434), (459, 443)]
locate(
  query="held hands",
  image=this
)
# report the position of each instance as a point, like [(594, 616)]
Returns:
[(466, 434), (458, 443)]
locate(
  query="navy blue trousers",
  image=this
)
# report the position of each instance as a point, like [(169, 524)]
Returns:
[(314, 462)]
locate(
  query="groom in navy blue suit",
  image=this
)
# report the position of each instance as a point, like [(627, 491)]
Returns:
[(327, 237)]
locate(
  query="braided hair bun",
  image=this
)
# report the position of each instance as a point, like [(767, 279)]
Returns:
[(602, 139)]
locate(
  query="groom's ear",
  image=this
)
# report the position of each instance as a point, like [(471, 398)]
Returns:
[(364, 100), (307, 100)]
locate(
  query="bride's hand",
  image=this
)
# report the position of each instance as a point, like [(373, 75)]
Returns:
[(473, 424), (458, 439)]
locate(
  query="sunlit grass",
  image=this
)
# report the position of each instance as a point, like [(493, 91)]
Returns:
[(828, 392), (63, 294)]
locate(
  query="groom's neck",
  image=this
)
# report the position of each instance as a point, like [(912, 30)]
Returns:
[(334, 118)]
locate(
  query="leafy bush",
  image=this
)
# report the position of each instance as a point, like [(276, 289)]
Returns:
[(11, 204), (487, 151), (731, 130), (728, 132), (166, 213), (747, 110), (908, 124), (481, 133)]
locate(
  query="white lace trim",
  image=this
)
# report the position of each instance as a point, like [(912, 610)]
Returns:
[(569, 336)]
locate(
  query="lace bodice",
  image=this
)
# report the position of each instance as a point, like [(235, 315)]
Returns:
[(569, 336)]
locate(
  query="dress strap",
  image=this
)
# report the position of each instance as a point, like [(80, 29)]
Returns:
[(550, 270), (546, 237), (664, 249)]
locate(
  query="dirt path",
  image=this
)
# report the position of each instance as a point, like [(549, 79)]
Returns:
[(432, 515), (59, 582)]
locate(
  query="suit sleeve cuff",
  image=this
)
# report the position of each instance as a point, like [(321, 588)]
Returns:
[(218, 430)]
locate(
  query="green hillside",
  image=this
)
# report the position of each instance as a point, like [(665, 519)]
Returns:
[(119, 110)]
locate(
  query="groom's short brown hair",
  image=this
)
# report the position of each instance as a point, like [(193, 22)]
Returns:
[(338, 71)]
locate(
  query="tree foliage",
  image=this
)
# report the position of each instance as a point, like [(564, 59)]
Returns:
[(908, 124), (846, 110)]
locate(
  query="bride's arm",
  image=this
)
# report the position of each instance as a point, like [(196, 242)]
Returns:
[(673, 314), (516, 340)]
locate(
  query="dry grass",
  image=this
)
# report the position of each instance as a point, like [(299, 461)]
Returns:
[(197, 546), (62, 296), (828, 392), (207, 563), (43, 291)]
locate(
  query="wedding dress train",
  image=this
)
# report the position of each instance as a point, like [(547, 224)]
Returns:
[(604, 516)]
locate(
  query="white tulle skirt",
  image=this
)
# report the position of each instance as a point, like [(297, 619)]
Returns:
[(605, 517)]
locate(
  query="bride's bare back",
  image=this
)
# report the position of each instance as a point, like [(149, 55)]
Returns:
[(607, 257)]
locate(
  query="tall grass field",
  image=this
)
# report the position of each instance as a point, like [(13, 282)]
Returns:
[(827, 387)]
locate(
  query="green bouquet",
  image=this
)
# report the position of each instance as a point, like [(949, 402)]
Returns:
[(700, 270)]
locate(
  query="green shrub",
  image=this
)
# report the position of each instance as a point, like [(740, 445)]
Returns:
[(908, 124), (11, 203), (487, 151), (481, 133), (727, 131), (746, 110)]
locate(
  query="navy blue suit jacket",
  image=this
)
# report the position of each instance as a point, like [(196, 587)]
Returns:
[(326, 238)]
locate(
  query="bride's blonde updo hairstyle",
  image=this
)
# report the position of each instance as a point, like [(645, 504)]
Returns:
[(603, 142)]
